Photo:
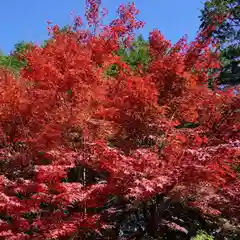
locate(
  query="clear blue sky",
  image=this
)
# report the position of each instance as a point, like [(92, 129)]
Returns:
[(26, 19)]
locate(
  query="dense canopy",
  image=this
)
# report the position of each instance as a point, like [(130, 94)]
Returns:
[(80, 148)]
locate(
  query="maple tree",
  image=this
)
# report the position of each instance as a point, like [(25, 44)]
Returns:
[(77, 146)]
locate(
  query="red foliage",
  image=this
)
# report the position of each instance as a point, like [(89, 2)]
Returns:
[(60, 112)]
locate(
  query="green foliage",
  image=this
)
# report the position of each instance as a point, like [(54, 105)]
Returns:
[(203, 236), (188, 125), (21, 47), (237, 168), (227, 34), (13, 62), (137, 56), (113, 70), (227, 31)]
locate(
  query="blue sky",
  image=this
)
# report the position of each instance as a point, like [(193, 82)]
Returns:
[(26, 19)]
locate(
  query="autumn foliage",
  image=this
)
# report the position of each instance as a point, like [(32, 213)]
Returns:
[(72, 139)]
